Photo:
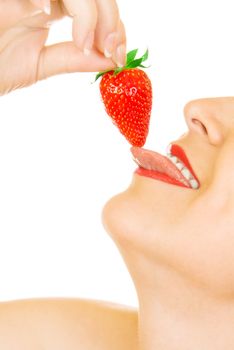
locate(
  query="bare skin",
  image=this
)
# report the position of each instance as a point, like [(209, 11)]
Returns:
[(178, 246), (178, 243), (98, 43), (61, 324), (99, 40)]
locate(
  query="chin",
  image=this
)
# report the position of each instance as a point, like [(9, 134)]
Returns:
[(144, 206), (124, 213), (115, 214)]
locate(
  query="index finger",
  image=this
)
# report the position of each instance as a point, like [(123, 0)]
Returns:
[(110, 31), (84, 13)]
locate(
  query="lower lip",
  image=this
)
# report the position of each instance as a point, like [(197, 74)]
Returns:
[(158, 176)]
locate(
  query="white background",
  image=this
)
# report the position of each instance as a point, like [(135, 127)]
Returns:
[(61, 158)]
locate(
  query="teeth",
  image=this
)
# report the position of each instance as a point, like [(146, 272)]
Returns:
[(180, 166), (194, 184), (174, 159), (186, 173)]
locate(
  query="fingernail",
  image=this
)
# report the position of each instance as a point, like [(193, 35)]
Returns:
[(109, 44), (88, 43), (47, 7), (120, 55)]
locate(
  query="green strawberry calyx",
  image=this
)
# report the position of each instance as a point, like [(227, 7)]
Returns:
[(131, 62)]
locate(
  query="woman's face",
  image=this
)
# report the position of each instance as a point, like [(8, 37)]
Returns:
[(192, 230)]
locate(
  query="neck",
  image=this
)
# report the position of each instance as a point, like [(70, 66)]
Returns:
[(176, 314), (201, 324)]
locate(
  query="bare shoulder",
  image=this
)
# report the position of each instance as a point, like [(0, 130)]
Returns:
[(77, 324)]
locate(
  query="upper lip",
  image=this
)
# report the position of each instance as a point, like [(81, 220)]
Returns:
[(175, 164)]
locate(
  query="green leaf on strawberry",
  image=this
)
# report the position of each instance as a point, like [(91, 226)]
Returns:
[(131, 55), (130, 63)]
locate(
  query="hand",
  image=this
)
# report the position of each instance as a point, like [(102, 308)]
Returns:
[(99, 41)]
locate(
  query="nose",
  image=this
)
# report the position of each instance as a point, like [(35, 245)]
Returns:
[(202, 117)]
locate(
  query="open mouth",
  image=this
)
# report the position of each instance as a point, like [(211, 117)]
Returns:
[(174, 168)]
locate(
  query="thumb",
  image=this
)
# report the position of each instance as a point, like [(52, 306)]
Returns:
[(67, 58)]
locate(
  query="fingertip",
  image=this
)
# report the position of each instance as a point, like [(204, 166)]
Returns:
[(43, 5), (110, 43), (47, 7), (118, 52), (119, 56), (88, 43), (84, 24)]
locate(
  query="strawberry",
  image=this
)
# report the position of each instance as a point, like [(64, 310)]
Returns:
[(127, 96)]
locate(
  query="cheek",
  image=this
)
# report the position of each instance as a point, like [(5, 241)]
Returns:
[(223, 172)]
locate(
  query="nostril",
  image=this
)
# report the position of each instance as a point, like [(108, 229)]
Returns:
[(201, 126)]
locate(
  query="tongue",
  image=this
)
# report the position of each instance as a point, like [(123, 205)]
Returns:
[(154, 161)]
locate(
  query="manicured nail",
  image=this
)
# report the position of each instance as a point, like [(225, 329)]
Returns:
[(47, 7), (109, 44), (120, 55), (88, 43)]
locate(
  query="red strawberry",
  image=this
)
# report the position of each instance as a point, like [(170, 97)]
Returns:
[(127, 96)]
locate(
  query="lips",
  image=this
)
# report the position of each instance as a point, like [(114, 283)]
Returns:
[(174, 168)]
